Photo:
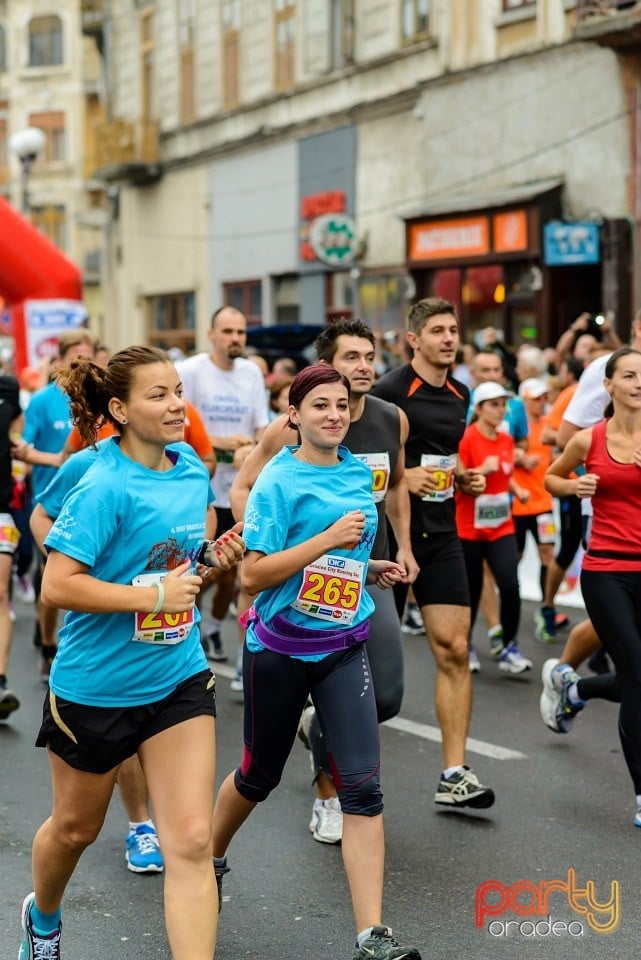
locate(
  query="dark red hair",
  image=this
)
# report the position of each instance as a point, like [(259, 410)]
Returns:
[(311, 377)]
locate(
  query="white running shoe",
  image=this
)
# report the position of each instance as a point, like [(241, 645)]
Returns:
[(473, 660), (326, 824), (512, 661)]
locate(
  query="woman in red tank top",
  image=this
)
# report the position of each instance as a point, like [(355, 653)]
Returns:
[(611, 573)]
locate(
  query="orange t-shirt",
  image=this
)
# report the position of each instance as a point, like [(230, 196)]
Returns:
[(555, 414), (477, 517), (194, 433), (540, 500)]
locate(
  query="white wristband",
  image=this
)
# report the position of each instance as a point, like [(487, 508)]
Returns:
[(160, 587)]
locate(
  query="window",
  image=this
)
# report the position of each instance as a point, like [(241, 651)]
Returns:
[(53, 127), (52, 221), (171, 321), (146, 65), (342, 33), (246, 296), (285, 45), (186, 38), (3, 49), (45, 42), (414, 20), (230, 11)]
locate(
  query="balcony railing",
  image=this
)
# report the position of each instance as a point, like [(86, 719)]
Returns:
[(123, 142), (614, 23)]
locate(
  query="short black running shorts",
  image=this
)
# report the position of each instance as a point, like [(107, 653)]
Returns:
[(97, 739), (442, 577)]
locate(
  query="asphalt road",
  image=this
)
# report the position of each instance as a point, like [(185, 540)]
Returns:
[(563, 813)]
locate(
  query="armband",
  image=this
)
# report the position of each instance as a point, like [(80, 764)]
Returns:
[(160, 587)]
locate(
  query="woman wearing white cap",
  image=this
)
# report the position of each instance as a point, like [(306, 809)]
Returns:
[(485, 524)]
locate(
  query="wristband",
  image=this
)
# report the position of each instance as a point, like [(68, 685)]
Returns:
[(160, 587)]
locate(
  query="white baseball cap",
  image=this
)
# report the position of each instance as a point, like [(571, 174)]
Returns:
[(490, 390), (532, 389)]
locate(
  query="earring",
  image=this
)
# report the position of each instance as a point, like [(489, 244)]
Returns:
[(124, 422)]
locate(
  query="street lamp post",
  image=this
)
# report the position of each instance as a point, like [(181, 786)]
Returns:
[(26, 145)]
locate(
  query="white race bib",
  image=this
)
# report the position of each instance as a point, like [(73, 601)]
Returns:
[(491, 510), (9, 534), (380, 467), (331, 589), (546, 527), (160, 628), (443, 469)]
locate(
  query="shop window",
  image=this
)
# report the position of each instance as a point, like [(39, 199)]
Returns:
[(342, 33), (53, 126), (3, 49), (414, 20), (382, 300), (45, 42), (186, 44), (171, 321), (340, 290), (285, 44), (147, 54), (52, 221), (287, 299), (246, 296), (230, 12)]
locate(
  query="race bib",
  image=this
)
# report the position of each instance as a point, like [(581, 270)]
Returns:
[(331, 589), (9, 534), (491, 510), (546, 527), (443, 468), (379, 464), (160, 628)]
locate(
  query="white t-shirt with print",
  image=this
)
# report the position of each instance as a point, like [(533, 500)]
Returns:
[(587, 406), (229, 402)]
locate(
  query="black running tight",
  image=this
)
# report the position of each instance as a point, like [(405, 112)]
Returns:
[(613, 602)]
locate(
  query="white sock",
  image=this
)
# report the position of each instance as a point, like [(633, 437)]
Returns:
[(133, 826), (363, 936), (452, 770), (495, 631), (573, 695)]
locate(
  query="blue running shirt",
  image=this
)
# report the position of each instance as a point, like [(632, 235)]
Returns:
[(123, 521), (293, 501)]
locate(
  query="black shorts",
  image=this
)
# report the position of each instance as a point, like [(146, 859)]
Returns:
[(225, 520), (97, 739), (442, 577)]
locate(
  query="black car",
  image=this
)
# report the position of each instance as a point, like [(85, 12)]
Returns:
[(285, 340)]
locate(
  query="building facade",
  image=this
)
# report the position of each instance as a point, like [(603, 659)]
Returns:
[(303, 160)]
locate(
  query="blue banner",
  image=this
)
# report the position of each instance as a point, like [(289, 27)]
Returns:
[(571, 243)]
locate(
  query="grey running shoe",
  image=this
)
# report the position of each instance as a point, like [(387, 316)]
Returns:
[(381, 945), (326, 824), (512, 661), (463, 789), (8, 702), (37, 946), (413, 621), (556, 710), (220, 869)]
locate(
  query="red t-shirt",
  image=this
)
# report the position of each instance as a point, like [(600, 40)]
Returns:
[(489, 516)]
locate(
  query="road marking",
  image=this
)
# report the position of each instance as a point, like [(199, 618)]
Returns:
[(427, 732), (423, 730)]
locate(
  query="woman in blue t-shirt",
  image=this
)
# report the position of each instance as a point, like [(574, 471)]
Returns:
[(130, 675), (310, 523)]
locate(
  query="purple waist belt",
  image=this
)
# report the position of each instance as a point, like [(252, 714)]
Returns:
[(288, 638)]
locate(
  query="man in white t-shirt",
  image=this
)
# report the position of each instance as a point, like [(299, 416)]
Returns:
[(228, 392)]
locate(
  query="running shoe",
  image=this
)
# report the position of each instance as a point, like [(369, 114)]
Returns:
[(556, 710), (8, 701), (305, 722), (637, 819), (12, 612), (381, 945), (24, 590), (542, 631), (215, 649), (37, 946), (220, 869), (143, 850), (413, 621), (561, 621), (513, 661), (236, 683), (497, 643), (473, 660), (326, 824), (463, 789)]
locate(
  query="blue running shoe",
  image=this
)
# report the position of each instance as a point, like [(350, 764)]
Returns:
[(143, 850), (37, 946)]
